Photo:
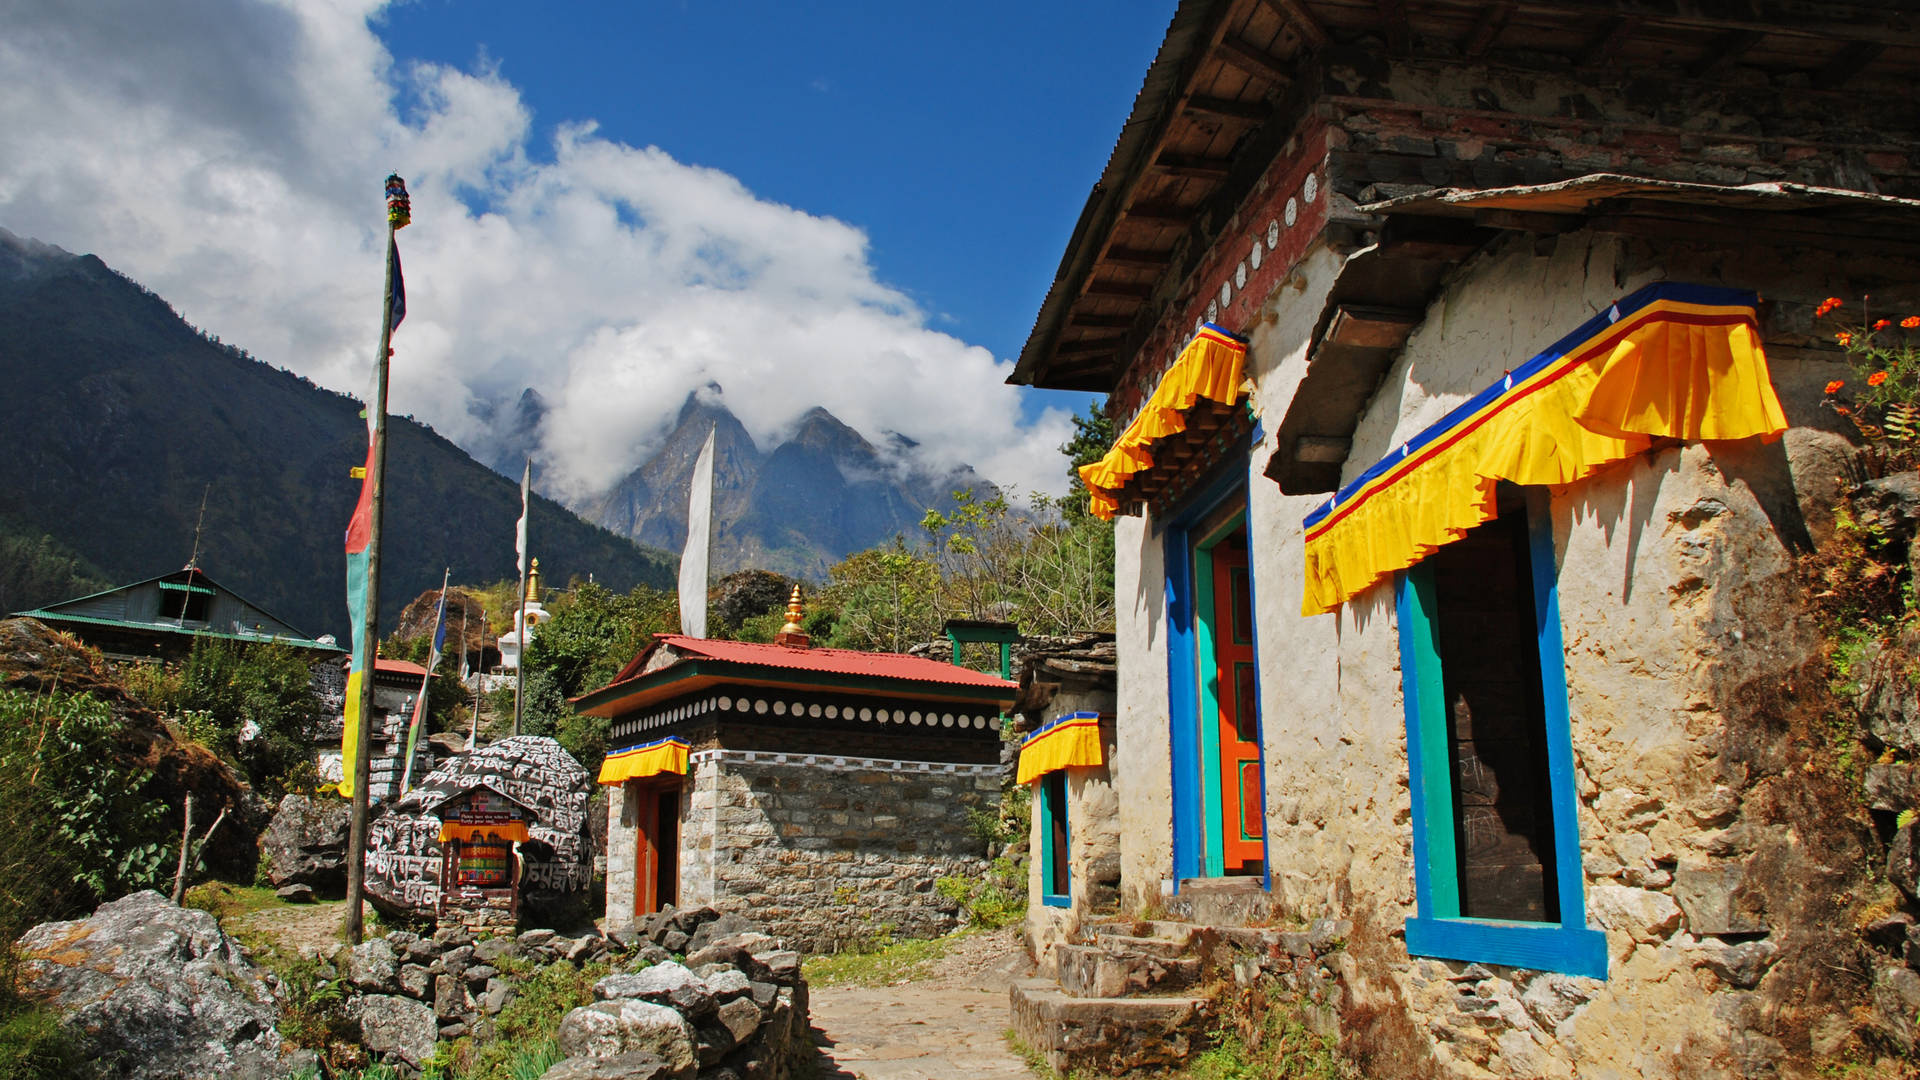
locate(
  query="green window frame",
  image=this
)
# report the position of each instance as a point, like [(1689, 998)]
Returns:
[(1056, 840), (1438, 929)]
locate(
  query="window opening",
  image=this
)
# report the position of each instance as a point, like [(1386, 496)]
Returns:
[(1496, 838), (1056, 868), (1495, 724)]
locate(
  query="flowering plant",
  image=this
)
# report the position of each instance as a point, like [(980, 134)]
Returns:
[(1885, 357)]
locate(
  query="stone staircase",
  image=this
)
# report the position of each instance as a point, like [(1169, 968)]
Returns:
[(1123, 1000), (1133, 995)]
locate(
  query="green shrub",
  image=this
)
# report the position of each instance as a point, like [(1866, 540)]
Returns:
[(80, 829)]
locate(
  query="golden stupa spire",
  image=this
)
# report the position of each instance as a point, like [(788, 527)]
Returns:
[(792, 634)]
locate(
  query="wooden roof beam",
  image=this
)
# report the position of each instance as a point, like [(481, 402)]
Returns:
[(1847, 63), (1724, 51), (1137, 258), (1101, 322), (1197, 168), (1228, 108), (1119, 288), (1302, 21), (1493, 19), (1255, 61), (1088, 346), (1393, 16), (1161, 214), (1602, 51)]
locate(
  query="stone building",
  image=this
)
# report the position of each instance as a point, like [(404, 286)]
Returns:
[(1469, 373), (1066, 710), (825, 792), (396, 685)]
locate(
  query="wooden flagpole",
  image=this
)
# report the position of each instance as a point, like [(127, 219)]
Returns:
[(362, 764)]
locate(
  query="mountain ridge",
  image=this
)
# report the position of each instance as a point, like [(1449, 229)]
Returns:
[(823, 493), (122, 415)]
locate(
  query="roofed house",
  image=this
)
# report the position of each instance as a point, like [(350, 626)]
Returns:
[(157, 619), (1468, 361), (824, 791)]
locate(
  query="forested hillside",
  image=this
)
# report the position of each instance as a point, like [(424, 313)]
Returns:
[(120, 417)]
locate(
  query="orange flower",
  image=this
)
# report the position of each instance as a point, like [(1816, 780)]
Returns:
[(1911, 322), (1834, 386), (1882, 324), (1826, 305), (1876, 378), (1843, 337), (1843, 410)]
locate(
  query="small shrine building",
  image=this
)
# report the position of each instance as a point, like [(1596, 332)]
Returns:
[(487, 838), (826, 791)]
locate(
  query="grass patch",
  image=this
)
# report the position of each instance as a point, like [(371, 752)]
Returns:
[(1264, 1034), (522, 1046), (33, 1046), (890, 963), (225, 901)]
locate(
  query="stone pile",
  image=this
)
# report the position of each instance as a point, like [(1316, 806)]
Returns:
[(735, 1009)]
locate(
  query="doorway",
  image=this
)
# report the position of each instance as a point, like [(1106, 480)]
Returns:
[(657, 877), (1214, 694)]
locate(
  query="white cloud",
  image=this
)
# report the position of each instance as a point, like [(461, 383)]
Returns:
[(231, 161)]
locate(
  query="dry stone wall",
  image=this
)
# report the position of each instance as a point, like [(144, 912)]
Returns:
[(829, 851)]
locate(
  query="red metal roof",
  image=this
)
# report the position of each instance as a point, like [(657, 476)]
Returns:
[(834, 661), (384, 666)]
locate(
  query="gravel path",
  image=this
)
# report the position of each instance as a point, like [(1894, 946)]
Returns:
[(942, 1025)]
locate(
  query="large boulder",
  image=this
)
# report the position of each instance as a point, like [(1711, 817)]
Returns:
[(610, 1028), (396, 1029), (158, 992), (306, 844)]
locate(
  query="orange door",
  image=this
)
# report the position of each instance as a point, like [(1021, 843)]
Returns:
[(657, 877), (1243, 824)]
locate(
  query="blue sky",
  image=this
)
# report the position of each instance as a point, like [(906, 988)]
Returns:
[(853, 206), (962, 137)]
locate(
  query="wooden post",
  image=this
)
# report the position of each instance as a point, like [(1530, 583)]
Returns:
[(362, 764), (186, 841)]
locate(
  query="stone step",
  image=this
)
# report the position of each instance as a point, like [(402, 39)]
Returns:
[(1093, 971), (1235, 901), (1106, 1036), (1165, 948)]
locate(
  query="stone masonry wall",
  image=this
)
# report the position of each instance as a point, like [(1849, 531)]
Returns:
[(829, 855), (1677, 600)]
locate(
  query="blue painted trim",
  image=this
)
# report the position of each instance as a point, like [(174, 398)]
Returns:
[(1569, 950), (1561, 791), (1569, 946), (1048, 853), (1183, 701)]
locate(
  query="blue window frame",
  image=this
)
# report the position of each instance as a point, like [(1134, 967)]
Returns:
[(1056, 841), (1561, 941)]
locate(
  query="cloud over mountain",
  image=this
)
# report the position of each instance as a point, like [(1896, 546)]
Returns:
[(229, 155)]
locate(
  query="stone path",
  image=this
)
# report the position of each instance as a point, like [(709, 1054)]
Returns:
[(944, 1024)]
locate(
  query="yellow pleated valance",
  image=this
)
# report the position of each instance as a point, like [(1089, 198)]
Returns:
[(1672, 360), (660, 756), (1064, 743), (484, 832), (1212, 366)]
